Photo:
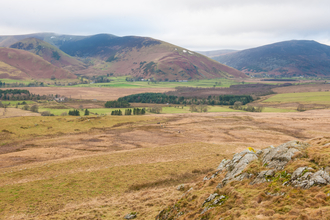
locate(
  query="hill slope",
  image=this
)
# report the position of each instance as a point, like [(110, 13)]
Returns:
[(288, 58), (145, 57), (20, 64), (136, 56), (50, 53)]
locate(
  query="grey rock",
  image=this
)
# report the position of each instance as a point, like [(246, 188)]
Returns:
[(309, 179), (130, 216), (262, 176), (297, 173), (219, 200), (237, 165), (222, 165), (210, 198), (180, 187), (278, 157)]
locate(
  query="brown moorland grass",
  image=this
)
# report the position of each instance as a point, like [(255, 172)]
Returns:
[(269, 200), (15, 112), (103, 94), (109, 166)]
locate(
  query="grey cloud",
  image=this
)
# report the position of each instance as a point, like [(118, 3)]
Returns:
[(195, 24)]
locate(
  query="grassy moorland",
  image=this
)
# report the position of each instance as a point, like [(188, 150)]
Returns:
[(105, 167), (304, 98)]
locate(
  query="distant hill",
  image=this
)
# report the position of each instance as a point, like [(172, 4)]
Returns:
[(214, 53), (20, 64), (50, 53), (145, 57), (288, 58)]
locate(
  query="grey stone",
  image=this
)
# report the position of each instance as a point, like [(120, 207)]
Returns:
[(130, 216), (310, 179), (210, 198), (222, 165), (297, 173), (262, 176), (180, 187), (278, 157), (237, 165)]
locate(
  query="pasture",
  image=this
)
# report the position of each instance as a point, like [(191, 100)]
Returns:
[(303, 98)]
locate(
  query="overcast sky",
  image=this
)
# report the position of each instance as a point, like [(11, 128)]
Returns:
[(194, 24)]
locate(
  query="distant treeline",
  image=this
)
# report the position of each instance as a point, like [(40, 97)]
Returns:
[(32, 84), (150, 98), (160, 98), (15, 94), (20, 94), (117, 104)]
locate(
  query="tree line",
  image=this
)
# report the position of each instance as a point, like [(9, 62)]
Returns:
[(161, 98), (136, 111), (117, 104), (20, 94)]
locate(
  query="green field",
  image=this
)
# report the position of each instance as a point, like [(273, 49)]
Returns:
[(120, 82), (13, 103), (269, 109), (304, 98), (165, 110)]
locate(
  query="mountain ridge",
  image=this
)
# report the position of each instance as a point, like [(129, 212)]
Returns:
[(286, 59), (145, 57)]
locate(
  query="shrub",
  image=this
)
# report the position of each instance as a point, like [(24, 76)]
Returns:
[(64, 114), (26, 107), (45, 113), (34, 108)]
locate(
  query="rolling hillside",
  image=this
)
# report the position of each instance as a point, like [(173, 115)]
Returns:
[(144, 57), (288, 58), (20, 64), (49, 53)]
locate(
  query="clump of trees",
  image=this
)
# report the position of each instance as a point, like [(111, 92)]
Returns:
[(34, 108), (156, 109), (117, 104), (74, 112), (19, 94), (46, 113), (149, 98), (249, 108), (161, 98), (139, 111), (117, 112), (86, 112), (128, 111), (198, 108), (135, 111)]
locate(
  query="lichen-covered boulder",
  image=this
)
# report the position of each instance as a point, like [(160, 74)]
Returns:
[(278, 157), (303, 178), (236, 166)]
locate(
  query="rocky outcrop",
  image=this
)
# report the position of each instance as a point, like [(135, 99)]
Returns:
[(304, 177), (278, 157), (273, 165)]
